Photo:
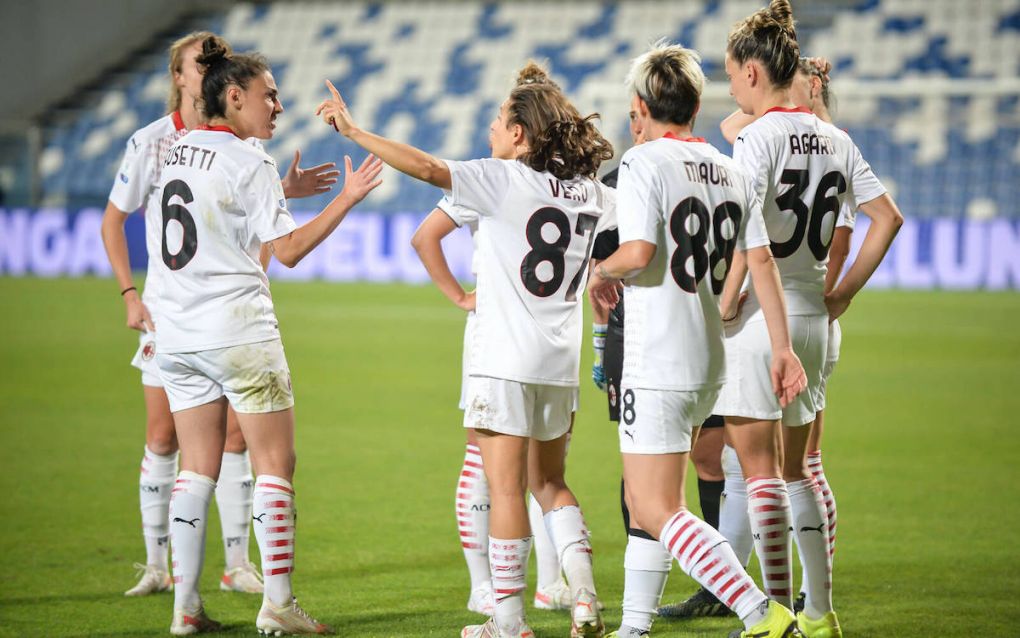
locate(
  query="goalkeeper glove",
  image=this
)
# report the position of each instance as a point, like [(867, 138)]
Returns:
[(598, 342)]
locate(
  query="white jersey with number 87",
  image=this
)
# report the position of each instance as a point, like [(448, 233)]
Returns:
[(535, 238)]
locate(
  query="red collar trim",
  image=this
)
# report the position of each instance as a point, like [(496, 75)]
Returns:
[(683, 139), (221, 129), (779, 109), (178, 121)]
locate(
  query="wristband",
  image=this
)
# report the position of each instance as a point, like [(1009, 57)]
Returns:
[(127, 290)]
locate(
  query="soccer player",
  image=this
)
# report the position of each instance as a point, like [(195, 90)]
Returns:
[(472, 501), (222, 201), (809, 89), (134, 188), (539, 209), (684, 210), (802, 169)]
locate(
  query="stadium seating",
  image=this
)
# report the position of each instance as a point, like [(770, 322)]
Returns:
[(434, 73)]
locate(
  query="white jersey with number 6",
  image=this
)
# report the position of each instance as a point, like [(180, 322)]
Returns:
[(534, 241), (804, 169), (697, 207), (221, 199)]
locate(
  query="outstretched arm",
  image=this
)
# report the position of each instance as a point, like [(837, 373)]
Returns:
[(427, 242), (403, 157), (292, 248)]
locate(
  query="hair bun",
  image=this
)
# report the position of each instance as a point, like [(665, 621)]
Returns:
[(533, 73), (213, 52), (782, 13)]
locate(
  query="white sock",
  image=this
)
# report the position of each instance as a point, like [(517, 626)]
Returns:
[(733, 522), (189, 510), (273, 515), (570, 537), (155, 481), (809, 528), (768, 506), (646, 566), (508, 559), (545, 552), (705, 556), (233, 499), (472, 505)]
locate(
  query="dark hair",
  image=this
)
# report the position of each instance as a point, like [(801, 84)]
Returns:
[(808, 68), (768, 35), (223, 69), (560, 141), (669, 80)]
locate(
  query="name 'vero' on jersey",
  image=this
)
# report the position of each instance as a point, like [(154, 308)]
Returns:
[(220, 200), (533, 246), (805, 170), (697, 207)]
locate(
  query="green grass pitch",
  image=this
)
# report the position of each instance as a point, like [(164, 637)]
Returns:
[(922, 450)]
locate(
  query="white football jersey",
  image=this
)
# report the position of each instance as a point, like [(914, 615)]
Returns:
[(804, 169), (136, 185), (220, 200), (697, 206), (534, 241)]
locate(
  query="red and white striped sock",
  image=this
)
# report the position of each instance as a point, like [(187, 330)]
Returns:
[(189, 509), (274, 516), (809, 527), (570, 537), (155, 481), (733, 522), (705, 556), (814, 461), (472, 505), (508, 560), (768, 507)]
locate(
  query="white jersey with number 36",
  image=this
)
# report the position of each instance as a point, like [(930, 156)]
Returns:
[(534, 241), (804, 169), (697, 207), (221, 199)]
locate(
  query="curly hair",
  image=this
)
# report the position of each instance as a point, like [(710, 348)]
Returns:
[(560, 140)]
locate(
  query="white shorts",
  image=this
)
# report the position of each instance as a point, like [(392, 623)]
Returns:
[(541, 412), (831, 358), (661, 421), (748, 389), (465, 360), (254, 377), (145, 360)]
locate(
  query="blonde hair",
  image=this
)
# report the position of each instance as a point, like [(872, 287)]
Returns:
[(669, 79), (560, 140), (768, 35), (176, 65)]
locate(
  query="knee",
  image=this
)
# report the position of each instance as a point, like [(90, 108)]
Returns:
[(234, 442), (708, 464), (160, 436), (545, 487)]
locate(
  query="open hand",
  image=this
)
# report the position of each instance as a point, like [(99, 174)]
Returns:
[(305, 182), (604, 292), (334, 112), (358, 183)]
